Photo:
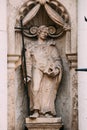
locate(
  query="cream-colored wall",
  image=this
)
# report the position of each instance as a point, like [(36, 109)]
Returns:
[(82, 63), (3, 66)]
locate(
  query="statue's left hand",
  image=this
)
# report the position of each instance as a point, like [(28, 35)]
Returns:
[(56, 71), (53, 72)]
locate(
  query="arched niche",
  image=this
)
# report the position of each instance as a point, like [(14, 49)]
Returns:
[(50, 13)]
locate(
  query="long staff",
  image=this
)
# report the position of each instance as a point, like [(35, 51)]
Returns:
[(23, 59)]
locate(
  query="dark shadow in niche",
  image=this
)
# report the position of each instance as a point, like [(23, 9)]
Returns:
[(62, 101), (21, 111)]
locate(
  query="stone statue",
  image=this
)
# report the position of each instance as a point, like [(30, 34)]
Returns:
[(44, 73)]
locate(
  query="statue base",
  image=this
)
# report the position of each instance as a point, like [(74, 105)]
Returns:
[(44, 123)]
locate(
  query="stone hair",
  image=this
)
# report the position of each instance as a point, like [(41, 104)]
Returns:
[(41, 28)]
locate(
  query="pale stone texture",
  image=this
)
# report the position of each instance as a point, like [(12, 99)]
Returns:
[(44, 68), (44, 124), (21, 111), (11, 103), (3, 14), (74, 90), (64, 100), (82, 63), (3, 65), (71, 7), (82, 25), (13, 8), (3, 80), (43, 120)]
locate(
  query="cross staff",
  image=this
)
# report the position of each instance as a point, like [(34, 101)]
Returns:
[(23, 58)]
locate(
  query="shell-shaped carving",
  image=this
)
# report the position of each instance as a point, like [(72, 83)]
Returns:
[(29, 3), (62, 9), (57, 5), (54, 9), (54, 3)]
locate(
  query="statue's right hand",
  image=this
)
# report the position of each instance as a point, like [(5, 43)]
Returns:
[(28, 79)]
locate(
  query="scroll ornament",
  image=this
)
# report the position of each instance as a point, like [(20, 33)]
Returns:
[(55, 10)]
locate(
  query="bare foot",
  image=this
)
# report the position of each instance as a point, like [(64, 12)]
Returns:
[(48, 115), (35, 115)]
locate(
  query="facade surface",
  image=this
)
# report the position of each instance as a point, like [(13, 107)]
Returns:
[(66, 103), (66, 100)]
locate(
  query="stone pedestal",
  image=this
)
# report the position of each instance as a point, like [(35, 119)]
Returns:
[(44, 123)]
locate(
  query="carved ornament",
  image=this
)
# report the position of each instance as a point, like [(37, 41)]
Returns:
[(56, 12)]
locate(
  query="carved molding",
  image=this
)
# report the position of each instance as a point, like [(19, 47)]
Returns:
[(13, 61), (72, 59), (55, 10), (52, 31), (74, 102)]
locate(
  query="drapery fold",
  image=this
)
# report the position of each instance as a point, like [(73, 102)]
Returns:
[(50, 11), (31, 14), (54, 15)]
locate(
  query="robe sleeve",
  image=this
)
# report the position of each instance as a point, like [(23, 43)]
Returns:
[(57, 63), (56, 58), (28, 63)]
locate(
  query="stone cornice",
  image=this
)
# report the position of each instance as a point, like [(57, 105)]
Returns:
[(13, 60), (72, 59)]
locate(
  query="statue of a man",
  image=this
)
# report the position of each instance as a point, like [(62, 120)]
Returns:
[(45, 71)]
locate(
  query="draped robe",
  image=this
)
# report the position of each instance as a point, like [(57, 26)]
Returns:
[(40, 59)]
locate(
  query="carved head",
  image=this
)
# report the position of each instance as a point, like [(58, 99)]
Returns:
[(42, 32)]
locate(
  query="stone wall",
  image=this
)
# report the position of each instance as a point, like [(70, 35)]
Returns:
[(67, 94), (82, 63), (21, 111), (3, 65)]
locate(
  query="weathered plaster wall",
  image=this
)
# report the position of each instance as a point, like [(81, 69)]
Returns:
[(82, 63), (64, 102), (3, 65), (71, 7), (21, 111)]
